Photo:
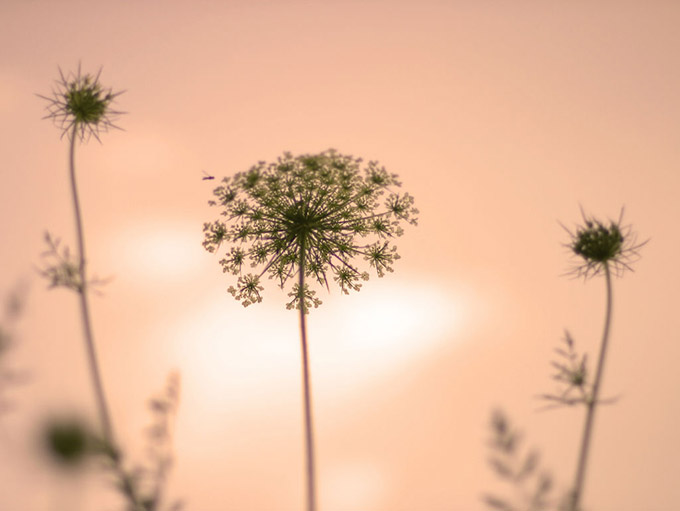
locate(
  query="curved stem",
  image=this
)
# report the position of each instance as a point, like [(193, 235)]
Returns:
[(309, 433), (84, 306), (127, 488), (592, 402)]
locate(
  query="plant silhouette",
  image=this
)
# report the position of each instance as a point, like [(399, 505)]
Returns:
[(597, 248), (314, 217), (82, 107)]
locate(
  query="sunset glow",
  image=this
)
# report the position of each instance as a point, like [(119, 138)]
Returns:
[(501, 119)]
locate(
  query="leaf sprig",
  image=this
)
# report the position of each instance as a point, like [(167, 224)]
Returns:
[(572, 375), (532, 486)]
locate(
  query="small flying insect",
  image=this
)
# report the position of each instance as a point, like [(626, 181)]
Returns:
[(207, 176)]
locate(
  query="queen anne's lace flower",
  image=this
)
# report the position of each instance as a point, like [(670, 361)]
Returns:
[(320, 212)]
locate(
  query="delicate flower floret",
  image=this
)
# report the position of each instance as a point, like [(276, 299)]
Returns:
[(314, 214), (347, 278), (215, 234), (234, 261), (248, 289), (381, 256), (81, 102), (302, 298), (598, 244)]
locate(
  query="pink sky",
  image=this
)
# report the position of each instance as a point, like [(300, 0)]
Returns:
[(501, 118)]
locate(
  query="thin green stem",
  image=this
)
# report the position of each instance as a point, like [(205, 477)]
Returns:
[(309, 432), (84, 306), (593, 401), (128, 488)]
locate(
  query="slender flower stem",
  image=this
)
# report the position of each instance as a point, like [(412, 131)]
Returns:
[(104, 415), (592, 402), (128, 488), (309, 433)]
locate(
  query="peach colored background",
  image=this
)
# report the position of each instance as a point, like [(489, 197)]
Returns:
[(501, 117)]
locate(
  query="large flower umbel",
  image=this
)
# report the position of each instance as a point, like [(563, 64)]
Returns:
[(81, 101), (597, 244), (323, 212)]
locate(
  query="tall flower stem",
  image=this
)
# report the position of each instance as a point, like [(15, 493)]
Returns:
[(593, 401), (308, 215), (104, 415), (309, 432)]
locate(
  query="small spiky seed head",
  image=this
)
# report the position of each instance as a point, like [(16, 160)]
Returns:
[(81, 106), (597, 244)]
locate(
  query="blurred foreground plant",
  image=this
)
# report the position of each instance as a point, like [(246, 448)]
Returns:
[(532, 486), (82, 107), (310, 216), (70, 442), (598, 248), (9, 377)]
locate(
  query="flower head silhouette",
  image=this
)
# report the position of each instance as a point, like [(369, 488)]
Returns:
[(81, 101), (315, 214), (597, 244)]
